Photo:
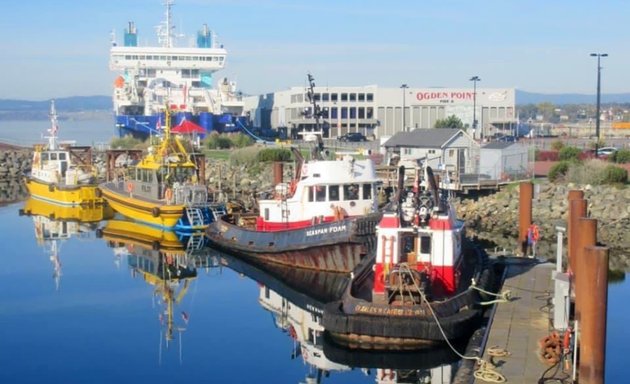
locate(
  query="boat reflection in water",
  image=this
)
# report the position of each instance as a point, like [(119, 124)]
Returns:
[(296, 298), (166, 260), (56, 223)]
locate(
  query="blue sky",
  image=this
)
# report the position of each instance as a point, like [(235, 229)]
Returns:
[(61, 48)]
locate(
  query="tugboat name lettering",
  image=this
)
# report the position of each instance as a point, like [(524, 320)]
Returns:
[(326, 230)]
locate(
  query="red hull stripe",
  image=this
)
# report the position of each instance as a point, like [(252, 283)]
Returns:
[(269, 226)]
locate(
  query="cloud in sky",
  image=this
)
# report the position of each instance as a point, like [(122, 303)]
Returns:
[(62, 48)]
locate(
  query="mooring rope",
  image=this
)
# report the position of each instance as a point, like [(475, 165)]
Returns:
[(487, 370), (503, 297)]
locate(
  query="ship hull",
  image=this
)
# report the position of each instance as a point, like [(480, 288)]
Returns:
[(358, 323), (74, 195), (149, 212), (333, 246)]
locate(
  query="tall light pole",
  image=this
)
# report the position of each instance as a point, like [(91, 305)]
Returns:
[(599, 78), (404, 91), (475, 79)]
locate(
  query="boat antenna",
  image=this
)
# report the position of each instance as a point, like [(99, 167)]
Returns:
[(54, 127)]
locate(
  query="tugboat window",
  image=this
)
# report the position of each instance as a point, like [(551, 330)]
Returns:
[(333, 191), (320, 193), (351, 192), (425, 244), (367, 191)]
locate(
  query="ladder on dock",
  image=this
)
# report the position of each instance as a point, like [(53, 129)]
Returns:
[(195, 216)]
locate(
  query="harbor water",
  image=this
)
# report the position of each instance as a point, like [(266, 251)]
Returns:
[(79, 306)]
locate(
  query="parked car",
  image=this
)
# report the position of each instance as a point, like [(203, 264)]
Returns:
[(352, 136), (606, 151)]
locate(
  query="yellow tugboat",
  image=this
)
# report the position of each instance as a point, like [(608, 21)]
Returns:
[(163, 189), (62, 174)]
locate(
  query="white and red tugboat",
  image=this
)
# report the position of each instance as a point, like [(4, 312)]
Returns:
[(424, 271), (324, 219)]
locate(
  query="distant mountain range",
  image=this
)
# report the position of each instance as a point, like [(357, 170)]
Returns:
[(102, 103), (523, 97)]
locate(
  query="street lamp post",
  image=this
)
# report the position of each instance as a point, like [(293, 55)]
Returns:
[(404, 91), (475, 79), (597, 118)]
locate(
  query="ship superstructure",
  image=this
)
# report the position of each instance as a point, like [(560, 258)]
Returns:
[(153, 77)]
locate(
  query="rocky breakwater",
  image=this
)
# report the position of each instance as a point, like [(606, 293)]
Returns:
[(495, 218), (14, 163)]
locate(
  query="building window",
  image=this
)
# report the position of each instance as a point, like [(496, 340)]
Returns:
[(451, 153), (370, 97), (353, 97), (344, 97), (344, 112), (333, 112), (325, 96), (361, 96), (370, 112), (361, 113), (431, 151), (333, 97), (353, 113)]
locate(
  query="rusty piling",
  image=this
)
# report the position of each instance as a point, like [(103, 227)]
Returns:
[(587, 229), (593, 323), (524, 214), (278, 170), (576, 211)]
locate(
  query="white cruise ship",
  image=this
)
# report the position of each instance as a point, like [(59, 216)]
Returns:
[(152, 78)]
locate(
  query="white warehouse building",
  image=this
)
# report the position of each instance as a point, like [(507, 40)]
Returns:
[(378, 112)]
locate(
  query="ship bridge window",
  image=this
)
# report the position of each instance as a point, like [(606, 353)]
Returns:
[(351, 192), (425, 244), (333, 192), (367, 191), (320, 193)]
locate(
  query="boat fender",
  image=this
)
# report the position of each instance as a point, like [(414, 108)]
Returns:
[(129, 186), (155, 245), (99, 233), (155, 211), (98, 192), (168, 194), (51, 187)]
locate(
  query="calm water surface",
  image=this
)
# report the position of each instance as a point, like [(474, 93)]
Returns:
[(94, 307), (90, 308)]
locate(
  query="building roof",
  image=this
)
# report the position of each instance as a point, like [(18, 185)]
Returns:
[(423, 138), (497, 145)]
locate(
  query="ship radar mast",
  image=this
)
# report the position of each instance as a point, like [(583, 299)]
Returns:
[(54, 127), (165, 30)]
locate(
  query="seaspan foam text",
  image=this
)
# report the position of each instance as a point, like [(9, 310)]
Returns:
[(326, 230)]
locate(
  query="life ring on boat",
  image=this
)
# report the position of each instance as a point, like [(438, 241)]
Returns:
[(155, 211), (129, 186), (292, 332), (168, 194)]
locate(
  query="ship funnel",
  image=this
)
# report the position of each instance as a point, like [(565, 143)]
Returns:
[(204, 37), (131, 35)]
